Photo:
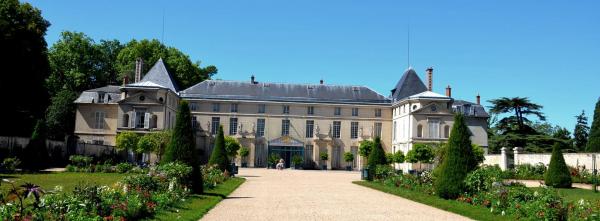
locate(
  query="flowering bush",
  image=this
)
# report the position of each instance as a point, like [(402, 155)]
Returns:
[(213, 176), (383, 171), (9, 165)]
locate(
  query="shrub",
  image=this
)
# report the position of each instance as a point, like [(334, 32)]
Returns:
[(348, 157), (212, 176), (389, 158), (244, 153), (398, 157), (297, 160), (10, 164), (219, 153), (232, 146), (376, 157), (123, 167), (126, 141), (80, 161), (457, 162), (382, 172), (528, 171), (179, 171), (35, 155), (323, 156), (558, 175), (483, 178), (420, 153)]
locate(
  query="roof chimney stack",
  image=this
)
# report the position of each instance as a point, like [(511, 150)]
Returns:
[(430, 78), (448, 91), (478, 99), (252, 79), (321, 81), (139, 64)]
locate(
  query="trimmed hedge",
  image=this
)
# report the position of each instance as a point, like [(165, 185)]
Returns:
[(557, 175)]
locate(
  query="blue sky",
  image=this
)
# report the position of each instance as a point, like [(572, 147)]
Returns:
[(548, 52)]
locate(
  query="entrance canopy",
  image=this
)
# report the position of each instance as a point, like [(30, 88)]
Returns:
[(286, 141)]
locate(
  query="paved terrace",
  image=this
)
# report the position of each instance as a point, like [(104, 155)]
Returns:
[(316, 195)]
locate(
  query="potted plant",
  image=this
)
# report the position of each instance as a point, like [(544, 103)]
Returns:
[(297, 161), (244, 152), (348, 157), (324, 156), (273, 159)]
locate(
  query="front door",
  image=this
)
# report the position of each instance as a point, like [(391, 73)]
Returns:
[(286, 153)]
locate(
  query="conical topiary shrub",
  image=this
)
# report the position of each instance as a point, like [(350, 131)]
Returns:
[(376, 157), (35, 155), (558, 174), (219, 155), (458, 161)]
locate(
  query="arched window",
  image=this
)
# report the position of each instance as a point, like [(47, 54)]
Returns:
[(446, 131), (125, 120), (420, 130)]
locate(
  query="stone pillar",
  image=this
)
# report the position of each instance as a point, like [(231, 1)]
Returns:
[(517, 151), (330, 156), (503, 158)]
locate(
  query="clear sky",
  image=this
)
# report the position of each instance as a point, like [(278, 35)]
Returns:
[(546, 50)]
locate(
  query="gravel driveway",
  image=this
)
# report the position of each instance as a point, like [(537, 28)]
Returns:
[(316, 195)]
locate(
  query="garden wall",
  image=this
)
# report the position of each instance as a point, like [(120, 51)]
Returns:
[(584, 160)]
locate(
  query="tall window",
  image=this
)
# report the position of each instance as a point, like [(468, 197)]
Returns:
[(394, 131), (446, 131), (377, 130), (337, 111), (194, 123), (193, 106), (234, 108), (216, 107), (354, 130), (100, 97), (310, 125), (420, 130), (261, 108), (285, 127), (99, 120), (214, 126), (140, 118), (310, 110), (377, 112), (355, 112), (260, 127), (337, 125), (286, 109), (434, 128), (233, 123)]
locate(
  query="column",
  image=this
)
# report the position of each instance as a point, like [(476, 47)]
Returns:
[(503, 158), (517, 151)]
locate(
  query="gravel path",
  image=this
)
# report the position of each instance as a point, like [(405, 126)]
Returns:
[(316, 195)]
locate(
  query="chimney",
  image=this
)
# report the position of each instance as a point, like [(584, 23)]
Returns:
[(139, 65), (430, 78), (478, 99), (125, 80), (252, 79), (448, 91), (321, 81)]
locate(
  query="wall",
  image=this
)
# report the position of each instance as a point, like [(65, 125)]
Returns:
[(572, 159)]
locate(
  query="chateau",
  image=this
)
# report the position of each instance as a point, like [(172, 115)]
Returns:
[(279, 118)]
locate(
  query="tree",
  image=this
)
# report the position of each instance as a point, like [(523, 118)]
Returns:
[(376, 157), (557, 175), (182, 147), (593, 144), (127, 141), (399, 157), (457, 162), (521, 107), (162, 140), (348, 158), (219, 154), (365, 148), (24, 61), (420, 153), (146, 144), (581, 131), (60, 115), (244, 153), (35, 156), (231, 147), (186, 72)]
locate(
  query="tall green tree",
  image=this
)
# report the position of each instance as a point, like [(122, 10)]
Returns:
[(520, 107), (35, 156), (376, 157), (458, 161), (581, 131), (593, 144), (219, 154), (60, 115), (24, 62), (186, 72), (420, 153), (182, 147), (231, 147), (557, 175)]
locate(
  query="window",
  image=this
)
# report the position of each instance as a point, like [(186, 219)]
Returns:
[(420, 130), (141, 118), (286, 109), (125, 122), (216, 107), (261, 108), (377, 112), (446, 131), (260, 127), (194, 123), (377, 130), (434, 128), (337, 111), (337, 125), (99, 120), (310, 125), (354, 130), (354, 112), (101, 97), (214, 126), (233, 124), (310, 110), (285, 127), (193, 106), (234, 108), (308, 153), (394, 131)]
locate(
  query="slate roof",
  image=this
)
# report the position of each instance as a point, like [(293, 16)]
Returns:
[(112, 94), (157, 76), (429, 95), (241, 90), (469, 109), (409, 84)]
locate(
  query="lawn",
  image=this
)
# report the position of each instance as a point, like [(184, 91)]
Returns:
[(65, 179), (196, 206), (575, 194), (474, 212)]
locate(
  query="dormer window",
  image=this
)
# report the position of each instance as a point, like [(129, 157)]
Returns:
[(101, 97)]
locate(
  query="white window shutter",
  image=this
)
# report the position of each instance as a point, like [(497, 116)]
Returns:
[(147, 120), (132, 120)]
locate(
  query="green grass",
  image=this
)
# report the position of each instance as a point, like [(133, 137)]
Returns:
[(67, 180), (196, 206), (474, 212), (575, 194)]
